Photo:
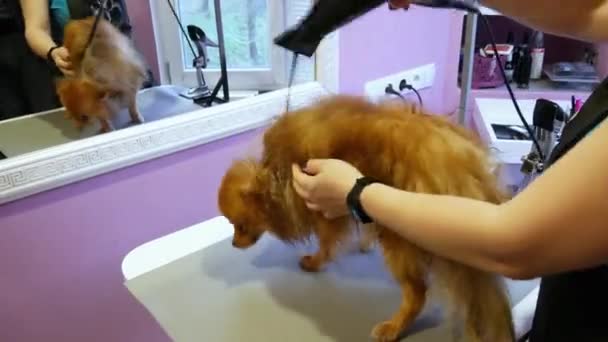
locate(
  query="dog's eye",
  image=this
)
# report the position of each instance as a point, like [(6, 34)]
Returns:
[(240, 228)]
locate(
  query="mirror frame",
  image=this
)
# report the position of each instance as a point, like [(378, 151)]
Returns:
[(57, 166)]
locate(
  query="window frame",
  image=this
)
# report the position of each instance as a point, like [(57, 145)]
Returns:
[(169, 50)]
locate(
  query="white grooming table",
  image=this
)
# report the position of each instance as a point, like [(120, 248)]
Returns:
[(199, 288), (162, 251)]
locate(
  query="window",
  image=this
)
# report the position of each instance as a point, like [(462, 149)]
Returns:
[(254, 62), (246, 29)]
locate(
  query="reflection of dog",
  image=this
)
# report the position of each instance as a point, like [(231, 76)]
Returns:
[(408, 150), (109, 73)]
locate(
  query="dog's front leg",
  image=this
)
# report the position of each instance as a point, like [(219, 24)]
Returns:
[(106, 125), (329, 234), (136, 116)]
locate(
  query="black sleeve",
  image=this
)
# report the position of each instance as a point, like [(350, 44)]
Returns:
[(11, 18), (116, 12), (79, 9)]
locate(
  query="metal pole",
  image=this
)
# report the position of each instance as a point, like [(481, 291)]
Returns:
[(466, 77), (220, 38)]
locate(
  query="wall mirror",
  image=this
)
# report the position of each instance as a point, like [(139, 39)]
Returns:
[(43, 150)]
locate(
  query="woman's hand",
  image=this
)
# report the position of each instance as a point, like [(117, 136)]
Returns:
[(396, 4), (324, 185), (61, 57)]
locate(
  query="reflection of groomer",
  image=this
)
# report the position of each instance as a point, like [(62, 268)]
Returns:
[(45, 21), (26, 80), (34, 30)]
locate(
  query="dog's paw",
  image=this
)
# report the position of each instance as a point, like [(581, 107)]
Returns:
[(309, 264), (366, 247), (386, 332), (104, 130), (137, 120)]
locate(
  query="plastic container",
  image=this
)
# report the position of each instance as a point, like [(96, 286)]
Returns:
[(486, 72)]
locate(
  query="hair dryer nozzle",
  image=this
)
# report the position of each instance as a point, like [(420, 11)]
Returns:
[(297, 41), (325, 17), (546, 112)]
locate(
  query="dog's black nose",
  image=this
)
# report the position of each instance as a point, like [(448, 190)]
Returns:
[(233, 243)]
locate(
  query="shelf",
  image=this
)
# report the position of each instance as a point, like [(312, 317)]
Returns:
[(561, 49), (543, 87)]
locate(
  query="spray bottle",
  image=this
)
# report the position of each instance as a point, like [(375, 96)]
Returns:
[(538, 56)]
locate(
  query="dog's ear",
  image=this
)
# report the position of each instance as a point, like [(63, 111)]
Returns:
[(249, 175)]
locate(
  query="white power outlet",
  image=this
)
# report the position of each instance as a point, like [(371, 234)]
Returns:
[(420, 78)]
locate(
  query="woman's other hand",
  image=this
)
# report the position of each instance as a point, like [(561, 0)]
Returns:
[(324, 184), (61, 58)]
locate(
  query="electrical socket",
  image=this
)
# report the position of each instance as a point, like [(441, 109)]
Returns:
[(420, 78)]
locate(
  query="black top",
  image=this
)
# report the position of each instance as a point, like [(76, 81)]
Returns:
[(115, 12), (11, 19), (573, 306)]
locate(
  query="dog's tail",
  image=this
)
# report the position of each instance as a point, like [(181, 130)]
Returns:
[(478, 298)]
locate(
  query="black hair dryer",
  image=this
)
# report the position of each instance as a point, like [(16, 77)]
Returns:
[(327, 16)]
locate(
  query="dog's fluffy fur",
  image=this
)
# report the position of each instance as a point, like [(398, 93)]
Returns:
[(108, 74), (400, 147)]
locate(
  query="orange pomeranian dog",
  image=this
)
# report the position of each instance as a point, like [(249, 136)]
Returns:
[(400, 147), (108, 74)]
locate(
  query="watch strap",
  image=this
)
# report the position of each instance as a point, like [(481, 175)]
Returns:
[(49, 55), (353, 200)]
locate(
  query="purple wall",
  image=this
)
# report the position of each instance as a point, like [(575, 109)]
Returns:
[(385, 42), (61, 251)]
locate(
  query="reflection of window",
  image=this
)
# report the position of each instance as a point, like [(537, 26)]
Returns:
[(254, 62), (246, 31)]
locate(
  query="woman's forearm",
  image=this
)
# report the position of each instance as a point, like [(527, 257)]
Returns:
[(557, 223), (581, 19), (39, 41), (461, 229), (37, 26)]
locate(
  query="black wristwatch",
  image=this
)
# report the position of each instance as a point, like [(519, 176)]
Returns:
[(353, 201), (49, 55)]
